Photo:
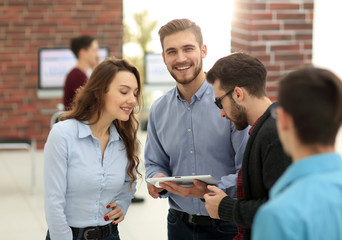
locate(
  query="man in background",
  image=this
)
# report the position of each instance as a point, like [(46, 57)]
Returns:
[(305, 203), (85, 49)]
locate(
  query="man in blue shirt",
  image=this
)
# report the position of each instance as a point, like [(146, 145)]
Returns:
[(305, 203), (187, 136)]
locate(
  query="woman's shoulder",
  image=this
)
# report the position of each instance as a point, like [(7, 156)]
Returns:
[(66, 126), (67, 123)]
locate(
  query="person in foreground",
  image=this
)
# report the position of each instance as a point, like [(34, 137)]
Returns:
[(239, 82), (90, 157), (85, 49), (305, 203), (186, 136)]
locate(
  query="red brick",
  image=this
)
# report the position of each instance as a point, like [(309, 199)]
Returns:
[(291, 16), (276, 37), (237, 46), (262, 56), (25, 28), (257, 48), (284, 6), (273, 67), (308, 46), (235, 34), (264, 27), (304, 36), (298, 26), (308, 6), (238, 4), (286, 47), (255, 16), (289, 57)]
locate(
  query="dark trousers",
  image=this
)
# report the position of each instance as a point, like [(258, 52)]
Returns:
[(179, 228), (113, 235)]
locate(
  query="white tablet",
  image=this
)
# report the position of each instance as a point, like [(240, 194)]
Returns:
[(185, 181)]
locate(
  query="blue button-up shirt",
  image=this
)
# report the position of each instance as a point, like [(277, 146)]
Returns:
[(193, 139), (305, 202), (77, 186)]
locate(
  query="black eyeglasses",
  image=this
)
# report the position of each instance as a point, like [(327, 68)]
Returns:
[(218, 100)]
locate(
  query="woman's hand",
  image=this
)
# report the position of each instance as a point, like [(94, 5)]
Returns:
[(116, 214)]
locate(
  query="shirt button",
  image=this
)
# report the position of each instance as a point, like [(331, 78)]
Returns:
[(191, 152), (189, 108), (189, 130)]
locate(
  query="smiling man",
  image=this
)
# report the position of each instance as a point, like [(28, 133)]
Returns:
[(239, 82), (187, 136)]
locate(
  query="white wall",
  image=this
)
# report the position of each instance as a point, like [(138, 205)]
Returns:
[(327, 41)]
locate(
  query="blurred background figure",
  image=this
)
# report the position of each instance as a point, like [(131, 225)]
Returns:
[(85, 49)]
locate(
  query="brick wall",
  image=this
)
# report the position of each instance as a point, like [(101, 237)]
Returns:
[(278, 32), (25, 26)]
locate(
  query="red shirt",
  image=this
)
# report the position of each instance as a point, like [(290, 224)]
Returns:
[(239, 191), (75, 79)]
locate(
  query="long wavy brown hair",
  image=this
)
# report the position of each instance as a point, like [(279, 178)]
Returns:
[(89, 102)]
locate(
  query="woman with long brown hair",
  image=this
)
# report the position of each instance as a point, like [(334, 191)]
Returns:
[(91, 157)]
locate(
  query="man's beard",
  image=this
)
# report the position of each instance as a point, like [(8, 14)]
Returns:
[(238, 116), (187, 81)]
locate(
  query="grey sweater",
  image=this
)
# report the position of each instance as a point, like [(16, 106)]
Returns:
[(263, 162)]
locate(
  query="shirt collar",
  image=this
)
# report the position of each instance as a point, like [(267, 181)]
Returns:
[(251, 129), (85, 131), (310, 165), (198, 95)]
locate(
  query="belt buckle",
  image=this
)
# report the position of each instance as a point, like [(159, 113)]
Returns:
[(191, 219), (86, 232)]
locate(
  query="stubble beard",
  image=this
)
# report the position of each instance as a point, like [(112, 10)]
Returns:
[(239, 115), (197, 71)]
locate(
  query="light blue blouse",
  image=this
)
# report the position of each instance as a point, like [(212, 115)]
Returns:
[(77, 187)]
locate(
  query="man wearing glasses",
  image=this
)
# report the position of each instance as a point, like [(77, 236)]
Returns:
[(239, 82)]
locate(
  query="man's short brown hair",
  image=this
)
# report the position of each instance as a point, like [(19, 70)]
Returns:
[(178, 25)]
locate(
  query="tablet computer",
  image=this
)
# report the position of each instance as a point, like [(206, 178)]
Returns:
[(185, 181)]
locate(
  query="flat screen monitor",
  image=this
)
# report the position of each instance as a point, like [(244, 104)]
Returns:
[(53, 66), (156, 72)]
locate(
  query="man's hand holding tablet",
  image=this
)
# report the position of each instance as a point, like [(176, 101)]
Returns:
[(184, 186)]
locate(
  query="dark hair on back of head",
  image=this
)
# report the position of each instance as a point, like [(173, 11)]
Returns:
[(313, 97), (82, 42)]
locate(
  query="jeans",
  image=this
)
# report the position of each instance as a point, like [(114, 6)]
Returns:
[(178, 229), (113, 235)]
